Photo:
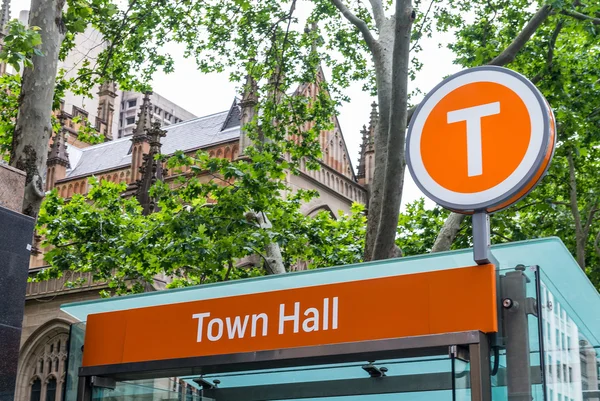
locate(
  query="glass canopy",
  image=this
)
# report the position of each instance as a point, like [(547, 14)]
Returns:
[(563, 335)]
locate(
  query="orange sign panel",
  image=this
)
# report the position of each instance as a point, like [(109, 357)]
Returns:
[(454, 300), (480, 140)]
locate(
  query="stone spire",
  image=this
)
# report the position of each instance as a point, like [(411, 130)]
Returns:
[(366, 162), (4, 16), (144, 121), (372, 127), (361, 157), (58, 151), (248, 110), (151, 171), (58, 158), (140, 138)]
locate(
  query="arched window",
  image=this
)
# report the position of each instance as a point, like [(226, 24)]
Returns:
[(51, 389), (70, 191), (227, 153), (42, 363), (122, 177), (219, 153), (76, 190), (36, 390), (235, 152), (115, 177)]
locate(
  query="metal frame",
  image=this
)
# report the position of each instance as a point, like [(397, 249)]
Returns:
[(476, 342)]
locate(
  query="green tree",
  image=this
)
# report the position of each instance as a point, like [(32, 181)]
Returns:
[(202, 230)]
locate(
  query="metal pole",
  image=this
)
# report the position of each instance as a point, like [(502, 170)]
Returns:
[(479, 355), (516, 334)]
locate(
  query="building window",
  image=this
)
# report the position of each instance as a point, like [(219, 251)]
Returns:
[(132, 103), (36, 390), (130, 120), (51, 390), (45, 363)]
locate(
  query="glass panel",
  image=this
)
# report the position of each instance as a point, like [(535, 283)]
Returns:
[(413, 379), (74, 362), (461, 376), (571, 345), (500, 369)]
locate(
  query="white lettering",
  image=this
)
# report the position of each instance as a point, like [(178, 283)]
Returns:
[(237, 326), (200, 317), (314, 320), (326, 314), (473, 116), (295, 317), (334, 314), (209, 331), (265, 321)]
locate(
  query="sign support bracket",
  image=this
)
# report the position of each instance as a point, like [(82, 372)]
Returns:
[(482, 253)]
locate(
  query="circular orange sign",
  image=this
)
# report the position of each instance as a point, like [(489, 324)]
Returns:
[(479, 139)]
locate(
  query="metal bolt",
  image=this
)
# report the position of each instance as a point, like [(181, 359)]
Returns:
[(507, 303)]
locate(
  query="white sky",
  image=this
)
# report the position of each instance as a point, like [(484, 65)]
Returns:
[(204, 94)]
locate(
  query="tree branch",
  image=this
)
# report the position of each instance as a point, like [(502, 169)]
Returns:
[(596, 247), (581, 17), (517, 44), (421, 27), (358, 23), (551, 46), (378, 13), (448, 233), (590, 219)]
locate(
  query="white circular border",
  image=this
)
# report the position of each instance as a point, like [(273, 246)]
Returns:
[(506, 187)]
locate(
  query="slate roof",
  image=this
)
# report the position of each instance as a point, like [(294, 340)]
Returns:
[(188, 135)]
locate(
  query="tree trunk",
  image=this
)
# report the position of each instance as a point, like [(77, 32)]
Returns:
[(33, 126), (382, 58), (273, 259), (395, 163), (448, 233)]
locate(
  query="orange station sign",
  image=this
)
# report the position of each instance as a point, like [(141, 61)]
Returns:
[(481, 140), (454, 300)]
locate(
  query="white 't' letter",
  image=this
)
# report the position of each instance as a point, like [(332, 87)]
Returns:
[(473, 116)]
